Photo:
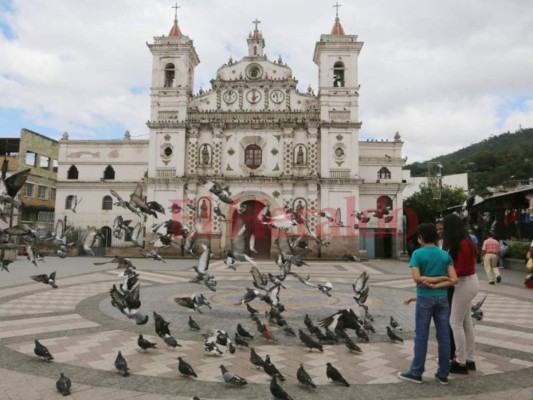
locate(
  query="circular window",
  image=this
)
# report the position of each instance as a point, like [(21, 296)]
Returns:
[(254, 71), (167, 152), (339, 152)]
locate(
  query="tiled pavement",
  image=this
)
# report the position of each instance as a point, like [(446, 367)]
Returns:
[(84, 333)]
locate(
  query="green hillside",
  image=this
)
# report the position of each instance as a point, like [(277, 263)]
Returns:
[(494, 161)]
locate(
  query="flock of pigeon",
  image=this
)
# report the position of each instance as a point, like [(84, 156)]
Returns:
[(265, 287)]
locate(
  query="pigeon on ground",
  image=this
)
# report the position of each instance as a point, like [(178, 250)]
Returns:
[(256, 359), (288, 330), (145, 344), (251, 310), (239, 340), (333, 374), (392, 336), (42, 352), (351, 345), (304, 378), (121, 365), (476, 311), (162, 330), (63, 384), (243, 332), (277, 391), (271, 369), (46, 279), (232, 378), (193, 325), (350, 257), (210, 347), (394, 324), (308, 341), (185, 368), (309, 323)]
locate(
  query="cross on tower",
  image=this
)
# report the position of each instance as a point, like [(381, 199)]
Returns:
[(176, 10), (337, 5), (256, 22)]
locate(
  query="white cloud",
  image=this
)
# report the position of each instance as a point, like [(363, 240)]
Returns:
[(445, 73)]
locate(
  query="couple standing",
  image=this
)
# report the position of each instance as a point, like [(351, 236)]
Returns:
[(434, 270)]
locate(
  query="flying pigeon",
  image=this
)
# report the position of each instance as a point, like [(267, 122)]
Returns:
[(12, 184), (232, 378), (222, 193), (152, 254), (185, 368), (42, 352), (304, 378), (145, 344), (392, 336), (128, 303), (63, 384), (90, 239), (121, 365), (46, 279), (194, 302), (333, 374), (277, 391)]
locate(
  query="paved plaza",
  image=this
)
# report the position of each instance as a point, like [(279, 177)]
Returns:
[(84, 333)]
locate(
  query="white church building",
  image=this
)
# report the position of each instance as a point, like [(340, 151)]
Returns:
[(255, 132)]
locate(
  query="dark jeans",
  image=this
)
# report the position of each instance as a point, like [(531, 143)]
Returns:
[(436, 308), (452, 342)]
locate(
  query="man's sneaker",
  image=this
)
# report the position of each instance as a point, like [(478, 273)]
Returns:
[(471, 365), (498, 279), (442, 380), (456, 368), (409, 376)]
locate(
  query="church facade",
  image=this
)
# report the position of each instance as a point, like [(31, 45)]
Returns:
[(256, 133)]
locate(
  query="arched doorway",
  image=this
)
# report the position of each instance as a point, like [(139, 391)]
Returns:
[(248, 217), (106, 236)]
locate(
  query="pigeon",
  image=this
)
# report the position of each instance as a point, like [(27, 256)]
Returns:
[(250, 309), (193, 325), (30, 254), (12, 184), (232, 378), (392, 336), (350, 257), (152, 254), (4, 262), (128, 302), (256, 359), (277, 391), (145, 344), (476, 311), (42, 352), (363, 296), (185, 368), (343, 319), (222, 193), (368, 326), (243, 332), (63, 384), (304, 378), (137, 200), (75, 203), (239, 340), (210, 347), (123, 262), (309, 323), (162, 330), (125, 204), (194, 302), (271, 369), (288, 330), (308, 341), (360, 283), (46, 279), (121, 365), (333, 374), (351, 345), (394, 324)]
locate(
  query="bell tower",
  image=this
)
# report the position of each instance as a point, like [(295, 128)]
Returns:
[(256, 42), (174, 61)]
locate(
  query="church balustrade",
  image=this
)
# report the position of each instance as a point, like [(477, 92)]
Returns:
[(165, 172), (340, 174)]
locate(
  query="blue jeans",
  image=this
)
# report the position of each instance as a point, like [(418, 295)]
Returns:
[(435, 307)]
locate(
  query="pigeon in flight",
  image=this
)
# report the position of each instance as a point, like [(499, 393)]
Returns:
[(152, 254), (46, 279), (232, 378), (63, 384), (193, 302), (128, 303), (121, 365), (90, 239), (304, 378), (11, 185), (42, 352), (222, 193), (393, 336), (185, 368), (334, 374), (145, 344)]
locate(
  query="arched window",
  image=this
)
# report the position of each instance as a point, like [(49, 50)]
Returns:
[(109, 172), (107, 203), (338, 74), (72, 172), (70, 202), (253, 156), (255, 50), (384, 173), (170, 74)]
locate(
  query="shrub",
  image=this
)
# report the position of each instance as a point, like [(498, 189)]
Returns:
[(518, 250)]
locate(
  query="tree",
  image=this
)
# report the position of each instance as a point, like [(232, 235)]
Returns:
[(427, 208)]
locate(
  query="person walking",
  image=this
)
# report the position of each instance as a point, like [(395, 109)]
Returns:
[(461, 249), (432, 270), (491, 253)]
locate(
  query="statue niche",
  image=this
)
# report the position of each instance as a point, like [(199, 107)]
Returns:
[(205, 156), (300, 155)]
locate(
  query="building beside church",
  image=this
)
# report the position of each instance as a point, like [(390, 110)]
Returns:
[(255, 132)]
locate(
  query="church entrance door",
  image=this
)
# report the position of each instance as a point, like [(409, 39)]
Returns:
[(262, 234)]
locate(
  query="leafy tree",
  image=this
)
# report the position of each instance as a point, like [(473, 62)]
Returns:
[(427, 207)]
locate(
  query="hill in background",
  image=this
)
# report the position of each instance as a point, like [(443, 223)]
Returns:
[(504, 159)]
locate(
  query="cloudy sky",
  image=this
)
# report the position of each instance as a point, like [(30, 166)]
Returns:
[(444, 73)]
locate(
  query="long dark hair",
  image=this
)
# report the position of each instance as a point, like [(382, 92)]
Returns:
[(454, 231)]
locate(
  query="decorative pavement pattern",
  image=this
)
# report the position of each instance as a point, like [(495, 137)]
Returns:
[(84, 333)]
